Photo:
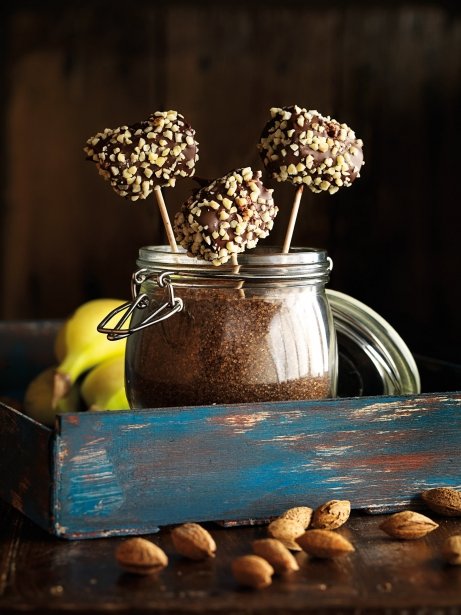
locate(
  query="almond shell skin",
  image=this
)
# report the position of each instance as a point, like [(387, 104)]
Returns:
[(324, 543), (408, 525)]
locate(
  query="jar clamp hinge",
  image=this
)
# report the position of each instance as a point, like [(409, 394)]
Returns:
[(170, 306)]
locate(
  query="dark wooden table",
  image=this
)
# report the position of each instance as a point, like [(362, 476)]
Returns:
[(42, 574)]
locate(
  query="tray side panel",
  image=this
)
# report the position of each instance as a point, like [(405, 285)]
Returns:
[(25, 465), (130, 472)]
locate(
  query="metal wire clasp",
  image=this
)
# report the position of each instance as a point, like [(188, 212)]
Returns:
[(170, 306)]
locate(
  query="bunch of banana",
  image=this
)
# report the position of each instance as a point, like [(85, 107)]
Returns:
[(90, 370)]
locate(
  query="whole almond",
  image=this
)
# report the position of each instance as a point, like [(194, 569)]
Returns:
[(408, 525), (331, 515), (193, 541), (451, 550), (286, 530), (276, 553), (301, 514), (252, 571), (324, 543), (140, 556), (445, 501)]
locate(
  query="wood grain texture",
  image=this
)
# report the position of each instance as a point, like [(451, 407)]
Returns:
[(25, 465), (42, 574), (129, 472), (390, 69)]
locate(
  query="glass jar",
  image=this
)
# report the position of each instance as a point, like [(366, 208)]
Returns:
[(259, 331), (372, 357)]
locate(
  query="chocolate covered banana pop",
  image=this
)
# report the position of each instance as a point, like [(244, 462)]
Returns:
[(308, 149), (153, 153), (304, 147), (226, 217), (143, 157)]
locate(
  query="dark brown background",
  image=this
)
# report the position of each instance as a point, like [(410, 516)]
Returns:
[(392, 70)]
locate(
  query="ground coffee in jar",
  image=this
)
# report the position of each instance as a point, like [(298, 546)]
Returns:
[(201, 334)]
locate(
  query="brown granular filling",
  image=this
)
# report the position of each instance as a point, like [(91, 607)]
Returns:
[(223, 348)]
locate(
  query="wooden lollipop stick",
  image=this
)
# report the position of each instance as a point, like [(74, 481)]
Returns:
[(292, 221), (236, 269), (235, 262), (166, 219)]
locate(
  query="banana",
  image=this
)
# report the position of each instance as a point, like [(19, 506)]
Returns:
[(79, 346), (38, 399), (103, 388)]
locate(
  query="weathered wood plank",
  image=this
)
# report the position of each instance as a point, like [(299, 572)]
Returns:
[(25, 465), (213, 463), (130, 472), (383, 576)]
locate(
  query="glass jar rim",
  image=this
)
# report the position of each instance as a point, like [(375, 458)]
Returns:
[(263, 262), (260, 255)]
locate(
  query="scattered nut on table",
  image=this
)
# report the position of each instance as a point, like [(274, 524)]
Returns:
[(252, 571), (286, 530), (331, 515), (451, 550), (408, 525), (324, 543), (276, 553), (193, 541), (445, 501), (301, 514), (140, 556)]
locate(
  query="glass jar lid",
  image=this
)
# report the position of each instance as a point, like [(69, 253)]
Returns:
[(373, 358)]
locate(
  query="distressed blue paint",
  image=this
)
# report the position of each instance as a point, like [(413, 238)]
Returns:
[(105, 495), (158, 467), (118, 473), (130, 472)]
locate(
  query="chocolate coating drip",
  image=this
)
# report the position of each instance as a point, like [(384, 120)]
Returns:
[(137, 158), (226, 217), (304, 147)]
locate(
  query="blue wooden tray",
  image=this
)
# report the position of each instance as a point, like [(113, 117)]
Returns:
[(108, 473), (114, 473)]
